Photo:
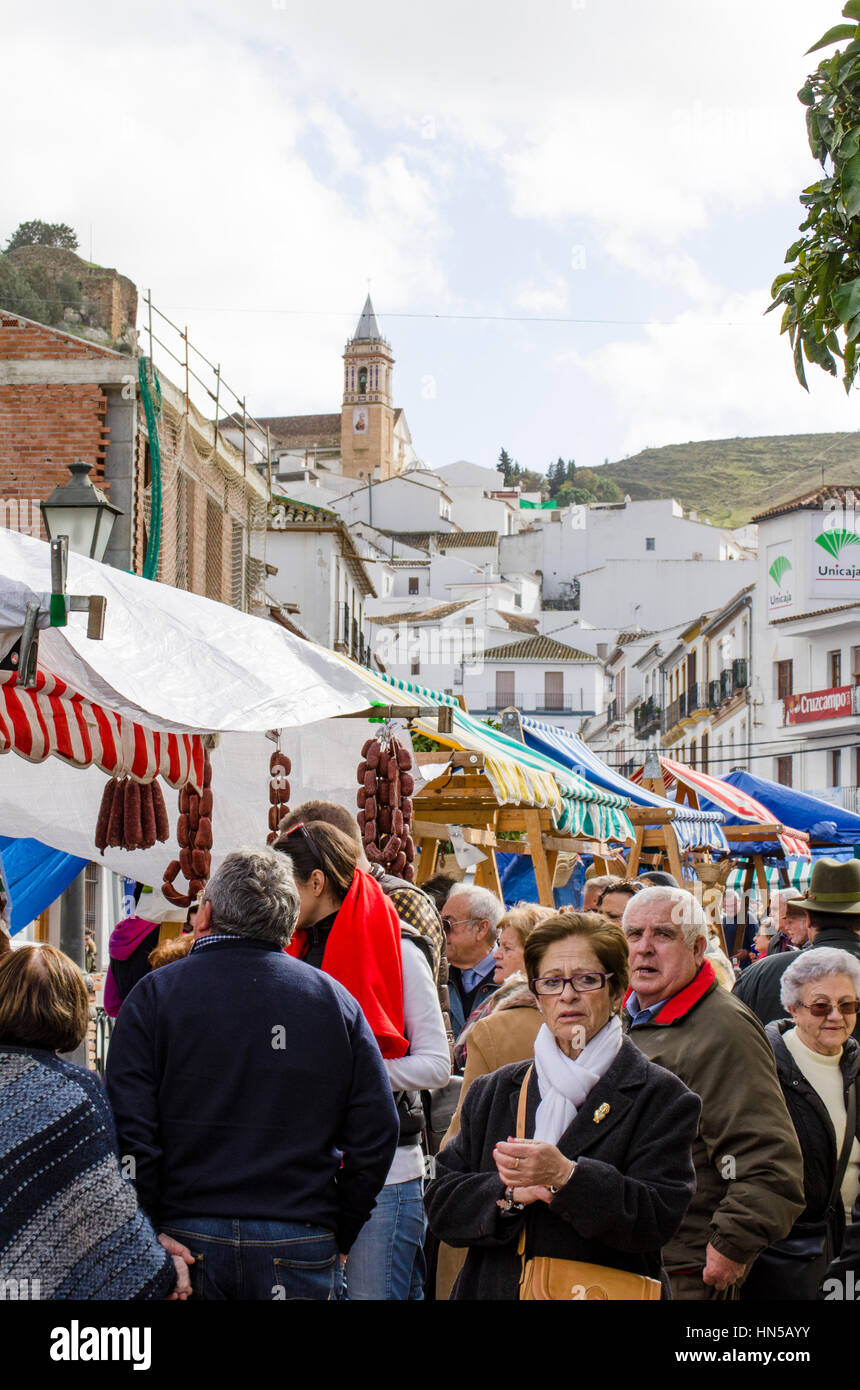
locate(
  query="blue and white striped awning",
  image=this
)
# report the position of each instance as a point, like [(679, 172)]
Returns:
[(695, 829)]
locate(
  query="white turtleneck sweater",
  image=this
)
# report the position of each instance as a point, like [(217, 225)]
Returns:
[(824, 1076)]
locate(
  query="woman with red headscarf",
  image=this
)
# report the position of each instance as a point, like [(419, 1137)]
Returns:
[(349, 928)]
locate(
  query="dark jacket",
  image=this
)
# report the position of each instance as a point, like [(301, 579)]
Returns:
[(464, 1002), (749, 1170), (813, 1124), (759, 986), (629, 1191), (248, 1085)]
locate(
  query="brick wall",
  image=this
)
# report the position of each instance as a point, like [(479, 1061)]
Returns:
[(41, 421)]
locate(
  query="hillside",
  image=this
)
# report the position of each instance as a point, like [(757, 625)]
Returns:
[(728, 480)]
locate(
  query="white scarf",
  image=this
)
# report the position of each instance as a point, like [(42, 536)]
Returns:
[(564, 1082)]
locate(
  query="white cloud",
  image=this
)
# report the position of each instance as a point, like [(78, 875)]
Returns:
[(712, 375), (549, 297)]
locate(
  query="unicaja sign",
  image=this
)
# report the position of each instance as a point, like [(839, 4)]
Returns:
[(837, 553)]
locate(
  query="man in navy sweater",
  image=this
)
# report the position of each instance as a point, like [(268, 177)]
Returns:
[(251, 1097)]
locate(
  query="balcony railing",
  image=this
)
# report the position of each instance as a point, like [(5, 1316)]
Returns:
[(646, 718), (532, 704), (846, 797)]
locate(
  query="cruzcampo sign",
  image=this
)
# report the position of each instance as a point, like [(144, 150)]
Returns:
[(819, 704), (834, 552)]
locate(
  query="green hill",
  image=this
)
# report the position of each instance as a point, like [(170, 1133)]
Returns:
[(729, 480)]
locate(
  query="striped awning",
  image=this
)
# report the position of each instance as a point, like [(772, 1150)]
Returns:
[(518, 774), (52, 720), (737, 804), (799, 871), (695, 829)]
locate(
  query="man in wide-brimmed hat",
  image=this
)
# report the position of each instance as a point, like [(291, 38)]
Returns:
[(831, 906)]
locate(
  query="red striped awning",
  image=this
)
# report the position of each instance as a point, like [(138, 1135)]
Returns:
[(53, 720), (730, 799)]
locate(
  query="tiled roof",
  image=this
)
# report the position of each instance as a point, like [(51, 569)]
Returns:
[(517, 622), (416, 540), (538, 649), (416, 616), (450, 540), (810, 501), (625, 638), (819, 612), (303, 430), (303, 511)]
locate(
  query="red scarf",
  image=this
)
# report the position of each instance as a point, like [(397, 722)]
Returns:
[(363, 953)]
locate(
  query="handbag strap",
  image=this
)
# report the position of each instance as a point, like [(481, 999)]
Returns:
[(521, 1134), (847, 1143)]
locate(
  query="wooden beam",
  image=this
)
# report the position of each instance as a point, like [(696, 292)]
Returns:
[(673, 853), (543, 877), (427, 860), (636, 852)]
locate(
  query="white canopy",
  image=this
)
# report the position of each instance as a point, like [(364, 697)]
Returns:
[(171, 659)]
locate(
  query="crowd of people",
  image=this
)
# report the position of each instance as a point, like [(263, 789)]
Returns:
[(334, 1084)]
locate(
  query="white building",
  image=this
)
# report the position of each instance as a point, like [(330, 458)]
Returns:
[(321, 581), (539, 676), (474, 503), (627, 564), (414, 501), (808, 643)]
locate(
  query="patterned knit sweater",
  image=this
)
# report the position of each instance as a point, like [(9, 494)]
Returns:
[(70, 1224)]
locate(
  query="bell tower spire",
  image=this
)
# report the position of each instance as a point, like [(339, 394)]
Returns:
[(367, 415)]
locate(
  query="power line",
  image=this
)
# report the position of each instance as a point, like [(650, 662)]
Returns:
[(469, 318)]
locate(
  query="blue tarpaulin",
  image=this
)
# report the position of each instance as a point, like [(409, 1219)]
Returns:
[(34, 876), (820, 819)]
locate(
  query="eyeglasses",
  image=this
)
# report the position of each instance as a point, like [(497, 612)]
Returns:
[(822, 1009), (584, 981), (300, 825), (449, 922)]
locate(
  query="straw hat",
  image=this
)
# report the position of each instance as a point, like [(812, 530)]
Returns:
[(834, 888)]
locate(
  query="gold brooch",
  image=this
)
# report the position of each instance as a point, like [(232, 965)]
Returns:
[(601, 1112)]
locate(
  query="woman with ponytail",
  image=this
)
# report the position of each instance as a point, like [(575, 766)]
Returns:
[(348, 928)]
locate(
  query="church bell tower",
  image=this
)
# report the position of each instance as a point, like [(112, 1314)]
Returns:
[(367, 414)]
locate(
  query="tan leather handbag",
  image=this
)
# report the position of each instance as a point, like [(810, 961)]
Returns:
[(560, 1281)]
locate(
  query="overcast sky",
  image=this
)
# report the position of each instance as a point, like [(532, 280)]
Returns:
[(485, 164)]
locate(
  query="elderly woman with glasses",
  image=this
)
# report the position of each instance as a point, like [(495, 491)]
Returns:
[(600, 1171), (817, 1062)]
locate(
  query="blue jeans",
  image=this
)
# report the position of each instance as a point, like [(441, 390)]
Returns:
[(387, 1260), (261, 1260)]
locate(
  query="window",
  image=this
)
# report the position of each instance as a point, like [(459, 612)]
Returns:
[(783, 771), (650, 542), (362, 382), (834, 674), (413, 584), (692, 758), (783, 671), (415, 668), (836, 767), (704, 761)]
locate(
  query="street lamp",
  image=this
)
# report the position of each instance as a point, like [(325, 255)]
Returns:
[(81, 512)]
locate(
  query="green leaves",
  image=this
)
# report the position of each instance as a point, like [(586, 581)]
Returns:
[(852, 9), (845, 300), (834, 35)]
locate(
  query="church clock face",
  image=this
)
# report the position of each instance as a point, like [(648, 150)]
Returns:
[(359, 419)]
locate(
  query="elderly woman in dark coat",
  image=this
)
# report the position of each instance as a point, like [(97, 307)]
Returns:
[(606, 1175), (818, 1063)]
